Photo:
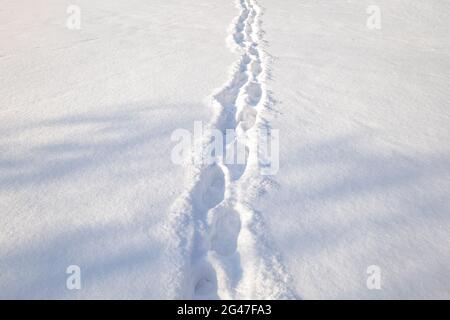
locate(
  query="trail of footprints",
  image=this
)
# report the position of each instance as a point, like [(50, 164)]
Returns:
[(218, 231)]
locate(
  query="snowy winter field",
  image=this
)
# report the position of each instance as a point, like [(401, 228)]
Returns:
[(352, 201)]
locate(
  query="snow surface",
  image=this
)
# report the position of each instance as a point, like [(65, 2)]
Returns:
[(86, 176)]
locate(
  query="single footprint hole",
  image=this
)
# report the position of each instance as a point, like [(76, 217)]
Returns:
[(213, 186), (204, 286), (246, 59), (226, 231), (247, 118), (254, 93), (239, 37), (236, 161)]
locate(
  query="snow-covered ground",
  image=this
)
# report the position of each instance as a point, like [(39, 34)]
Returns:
[(87, 176), (365, 147)]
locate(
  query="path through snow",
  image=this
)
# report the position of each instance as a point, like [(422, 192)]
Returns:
[(230, 258)]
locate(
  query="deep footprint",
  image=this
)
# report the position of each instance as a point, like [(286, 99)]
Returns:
[(239, 164), (227, 226)]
